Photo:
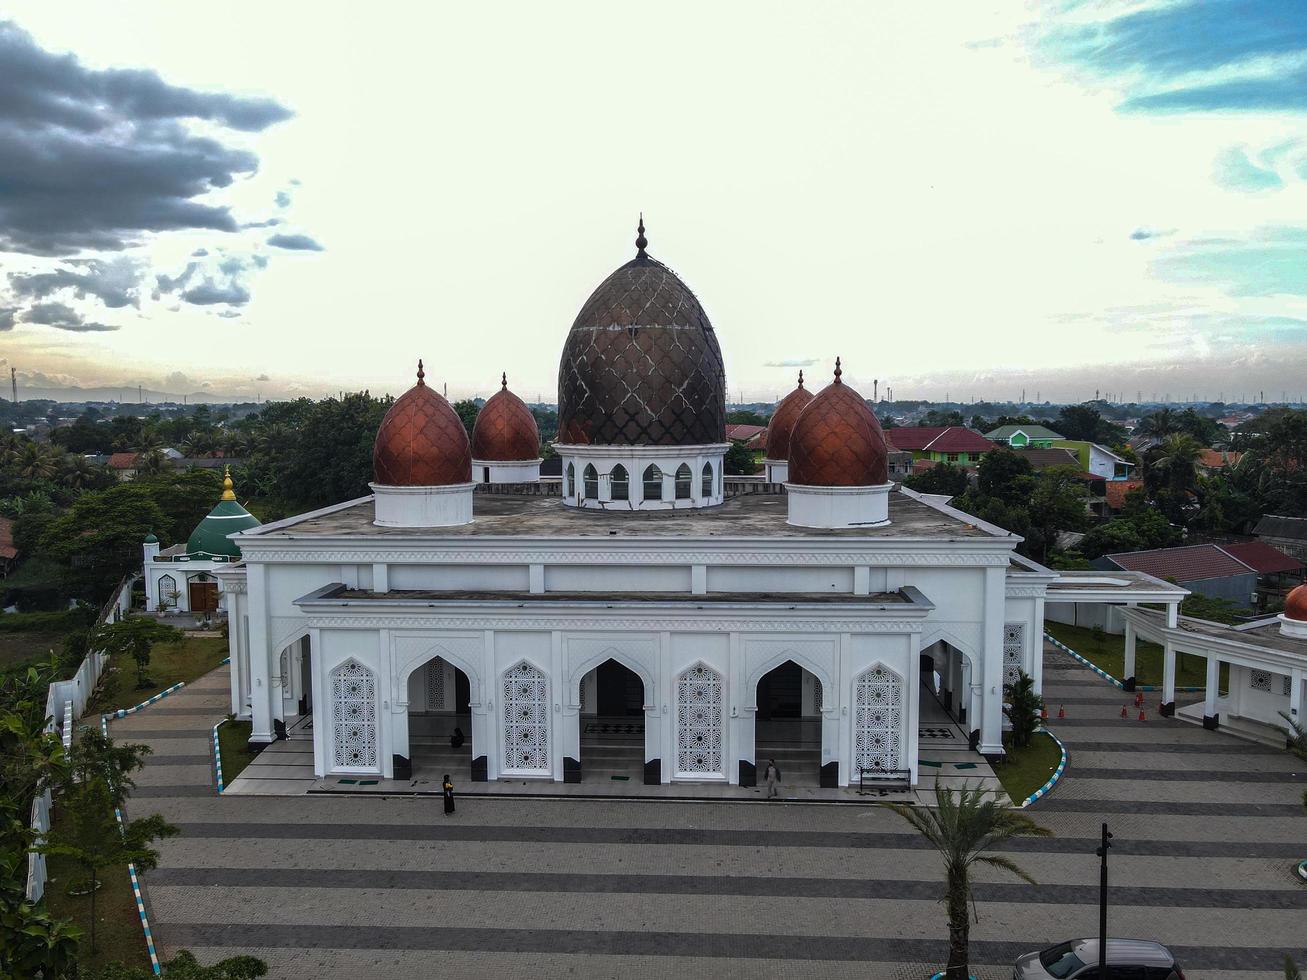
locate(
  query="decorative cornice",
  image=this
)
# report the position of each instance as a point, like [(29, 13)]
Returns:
[(560, 622), (1026, 591)]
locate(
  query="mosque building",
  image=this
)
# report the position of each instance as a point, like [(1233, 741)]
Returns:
[(648, 616)]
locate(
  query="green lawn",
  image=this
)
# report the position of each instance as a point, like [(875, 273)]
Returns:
[(1025, 770), (119, 937), (34, 636), (233, 742), (1108, 652), (185, 660)]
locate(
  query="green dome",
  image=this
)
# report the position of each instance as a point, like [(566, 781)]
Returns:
[(150, 538), (209, 539)]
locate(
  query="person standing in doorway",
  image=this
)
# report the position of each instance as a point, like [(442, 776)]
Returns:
[(773, 777), (448, 788)]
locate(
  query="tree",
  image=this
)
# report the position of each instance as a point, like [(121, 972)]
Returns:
[(943, 479), (95, 756), (135, 636), (184, 966), (98, 539), (1024, 707), (1086, 423), (89, 834), (963, 827), (1056, 504), (1171, 476), (468, 409), (739, 461), (937, 417), (1006, 476), (745, 418)]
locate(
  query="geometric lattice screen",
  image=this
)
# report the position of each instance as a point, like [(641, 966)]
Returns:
[(354, 717), (1014, 651), (878, 720), (436, 685), (699, 721), (526, 719)]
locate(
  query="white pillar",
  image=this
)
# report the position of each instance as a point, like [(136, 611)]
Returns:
[(1129, 671), (261, 689), (913, 681), (1168, 678), (323, 712), (1037, 647), (1295, 694), (1210, 717), (235, 610), (1173, 615), (991, 683)]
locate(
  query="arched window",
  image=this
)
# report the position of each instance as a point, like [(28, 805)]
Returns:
[(569, 480), (877, 720), (354, 717), (526, 719), (591, 477), (620, 484), (699, 721), (653, 482), (167, 592), (707, 480), (683, 482)]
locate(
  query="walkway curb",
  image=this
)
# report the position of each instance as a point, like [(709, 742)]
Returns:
[(1108, 677), (1302, 870), (1052, 780), (217, 754), (124, 712)]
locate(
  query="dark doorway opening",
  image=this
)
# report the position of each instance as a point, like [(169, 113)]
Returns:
[(787, 727), (441, 706), (612, 725), (780, 692), (619, 691)]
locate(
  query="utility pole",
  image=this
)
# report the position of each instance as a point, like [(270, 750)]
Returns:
[(875, 389), (1104, 970), (13, 382)]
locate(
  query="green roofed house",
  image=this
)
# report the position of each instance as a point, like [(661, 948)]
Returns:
[(1024, 436), (179, 578)]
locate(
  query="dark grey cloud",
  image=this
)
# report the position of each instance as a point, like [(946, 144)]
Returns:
[(209, 292), (98, 159), (229, 314), (115, 283), (297, 243), (1144, 234), (263, 377), (200, 253), (7, 317), (792, 362), (267, 223), (283, 199), (260, 261), (62, 317), (170, 284)]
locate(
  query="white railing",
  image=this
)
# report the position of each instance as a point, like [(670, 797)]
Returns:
[(64, 704)]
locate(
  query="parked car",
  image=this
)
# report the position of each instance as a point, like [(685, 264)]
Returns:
[(1127, 959)]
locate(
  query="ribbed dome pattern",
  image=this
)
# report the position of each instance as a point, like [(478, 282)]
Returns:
[(505, 429), (421, 442), (837, 441), (781, 424)]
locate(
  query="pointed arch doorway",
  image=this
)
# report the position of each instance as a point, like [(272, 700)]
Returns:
[(612, 699), (439, 711), (788, 724)]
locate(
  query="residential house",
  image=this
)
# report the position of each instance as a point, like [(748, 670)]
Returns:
[(123, 465), (754, 438), (1277, 573), (1212, 460), (1042, 459), (940, 443), (1024, 436), (1202, 568), (1116, 491), (1098, 460), (1287, 534)]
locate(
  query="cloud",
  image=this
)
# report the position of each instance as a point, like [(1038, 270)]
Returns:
[(61, 316), (229, 314), (1234, 170), (208, 293), (170, 284), (99, 159), (263, 377), (116, 283), (177, 380), (266, 223), (791, 362), (199, 253), (1194, 55), (283, 199), (298, 243), (1144, 234), (1273, 262), (7, 317)]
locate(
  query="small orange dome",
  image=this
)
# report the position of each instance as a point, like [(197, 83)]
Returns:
[(837, 441), (505, 429), (1295, 604), (421, 442), (781, 425)]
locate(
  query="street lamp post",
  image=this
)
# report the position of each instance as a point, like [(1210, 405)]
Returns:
[(1103, 968)]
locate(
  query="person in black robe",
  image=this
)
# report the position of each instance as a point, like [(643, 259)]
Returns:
[(448, 788), (457, 739)]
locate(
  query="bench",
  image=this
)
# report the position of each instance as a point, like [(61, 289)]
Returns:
[(885, 779)]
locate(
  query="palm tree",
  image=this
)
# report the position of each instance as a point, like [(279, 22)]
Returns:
[(77, 472), (34, 462), (962, 827), (1173, 474), (1161, 423), (150, 461)]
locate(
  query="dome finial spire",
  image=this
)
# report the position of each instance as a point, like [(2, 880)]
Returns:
[(641, 243), (800, 377), (227, 492), (838, 372), (503, 379), (421, 374)]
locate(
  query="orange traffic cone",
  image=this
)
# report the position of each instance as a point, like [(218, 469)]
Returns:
[(1139, 700), (1142, 716), (1043, 713), (1124, 712), (1061, 710)]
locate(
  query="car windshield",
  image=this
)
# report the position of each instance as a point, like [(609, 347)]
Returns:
[(1060, 961)]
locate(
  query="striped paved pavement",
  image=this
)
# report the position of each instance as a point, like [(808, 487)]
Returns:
[(338, 886)]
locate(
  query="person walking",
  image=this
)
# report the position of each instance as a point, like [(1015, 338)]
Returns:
[(773, 777), (448, 788)]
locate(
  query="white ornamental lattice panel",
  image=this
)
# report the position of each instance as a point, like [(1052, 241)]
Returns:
[(526, 719), (699, 721), (436, 685), (354, 717), (1260, 680), (816, 694), (1014, 651), (878, 720)]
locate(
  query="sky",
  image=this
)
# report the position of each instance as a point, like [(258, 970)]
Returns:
[(960, 200)]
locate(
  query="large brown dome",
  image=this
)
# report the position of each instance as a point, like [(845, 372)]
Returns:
[(641, 365), (1295, 604), (505, 429), (837, 441), (781, 424), (421, 442)]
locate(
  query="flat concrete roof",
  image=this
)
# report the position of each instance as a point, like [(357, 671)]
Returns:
[(1262, 634), (1111, 583), (514, 516), (609, 598)]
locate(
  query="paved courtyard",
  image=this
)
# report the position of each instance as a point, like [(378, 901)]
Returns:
[(1207, 830)]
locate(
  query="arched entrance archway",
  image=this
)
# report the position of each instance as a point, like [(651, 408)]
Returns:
[(440, 722), (612, 716), (788, 724)]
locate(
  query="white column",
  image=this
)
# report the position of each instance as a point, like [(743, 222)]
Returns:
[(1129, 670), (1037, 647), (1168, 678), (380, 577), (991, 683), (1213, 686), (323, 712), (261, 669), (914, 704), (667, 691), (739, 727), (235, 609), (1173, 615), (1295, 694)]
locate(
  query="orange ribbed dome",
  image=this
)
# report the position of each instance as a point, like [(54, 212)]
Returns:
[(837, 441), (421, 442), (505, 429), (781, 424), (1295, 604)]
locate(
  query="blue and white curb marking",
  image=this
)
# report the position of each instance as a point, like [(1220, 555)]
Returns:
[(224, 661), (1108, 677), (217, 754), (124, 712), (1302, 870), (1052, 780)]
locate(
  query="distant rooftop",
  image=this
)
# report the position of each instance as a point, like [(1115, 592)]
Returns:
[(1005, 432)]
